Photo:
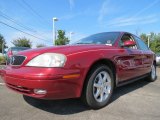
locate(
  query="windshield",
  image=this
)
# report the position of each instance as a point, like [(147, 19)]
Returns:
[(107, 38)]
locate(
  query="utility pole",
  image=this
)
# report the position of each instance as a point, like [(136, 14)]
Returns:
[(54, 30), (70, 35), (148, 40), (3, 48)]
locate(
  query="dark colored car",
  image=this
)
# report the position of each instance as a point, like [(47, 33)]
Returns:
[(90, 68), (14, 50)]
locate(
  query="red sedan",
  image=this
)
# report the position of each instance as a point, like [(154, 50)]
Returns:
[(90, 68)]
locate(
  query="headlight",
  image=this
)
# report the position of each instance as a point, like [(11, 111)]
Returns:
[(48, 60)]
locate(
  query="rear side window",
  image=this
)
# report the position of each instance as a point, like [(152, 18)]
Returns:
[(141, 44)]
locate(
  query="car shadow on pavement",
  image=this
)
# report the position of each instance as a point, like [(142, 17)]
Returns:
[(120, 91), (72, 106), (61, 107)]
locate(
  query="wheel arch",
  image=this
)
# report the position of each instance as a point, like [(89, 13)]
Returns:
[(107, 62)]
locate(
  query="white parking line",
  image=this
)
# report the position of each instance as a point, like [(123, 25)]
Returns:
[(2, 83)]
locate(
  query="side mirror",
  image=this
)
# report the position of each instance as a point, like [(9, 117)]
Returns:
[(128, 43)]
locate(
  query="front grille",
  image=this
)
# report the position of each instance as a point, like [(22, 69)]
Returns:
[(17, 60)]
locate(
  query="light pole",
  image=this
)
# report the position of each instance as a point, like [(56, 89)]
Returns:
[(3, 48), (148, 40), (70, 35), (54, 30)]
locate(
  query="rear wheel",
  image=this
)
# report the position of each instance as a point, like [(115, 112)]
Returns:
[(99, 87), (152, 75)]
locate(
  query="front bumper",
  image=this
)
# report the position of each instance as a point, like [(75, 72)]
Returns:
[(24, 80)]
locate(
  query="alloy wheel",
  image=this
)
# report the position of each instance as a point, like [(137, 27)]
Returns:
[(102, 86)]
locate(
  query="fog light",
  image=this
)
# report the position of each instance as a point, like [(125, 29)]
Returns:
[(40, 91)]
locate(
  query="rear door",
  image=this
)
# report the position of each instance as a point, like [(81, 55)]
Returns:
[(148, 55)]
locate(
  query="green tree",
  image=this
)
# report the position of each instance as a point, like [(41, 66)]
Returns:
[(22, 42), (2, 41), (62, 39), (40, 45), (154, 41)]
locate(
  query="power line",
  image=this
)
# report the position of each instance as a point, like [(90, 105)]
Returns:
[(27, 7), (17, 23), (28, 10), (35, 12), (22, 31)]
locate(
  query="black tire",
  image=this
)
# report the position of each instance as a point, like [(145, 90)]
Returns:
[(151, 77), (88, 94)]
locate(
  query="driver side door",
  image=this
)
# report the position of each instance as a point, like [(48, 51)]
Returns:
[(130, 62)]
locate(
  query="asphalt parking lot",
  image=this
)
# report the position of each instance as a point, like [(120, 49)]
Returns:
[(136, 101)]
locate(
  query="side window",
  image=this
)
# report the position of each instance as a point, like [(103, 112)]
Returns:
[(141, 44), (127, 37)]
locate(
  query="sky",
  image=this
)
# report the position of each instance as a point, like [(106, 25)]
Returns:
[(82, 17)]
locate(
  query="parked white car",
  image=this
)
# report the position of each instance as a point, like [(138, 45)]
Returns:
[(158, 59)]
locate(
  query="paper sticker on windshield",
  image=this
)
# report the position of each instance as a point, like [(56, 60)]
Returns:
[(109, 42)]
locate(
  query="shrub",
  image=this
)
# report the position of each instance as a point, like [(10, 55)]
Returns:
[(2, 60)]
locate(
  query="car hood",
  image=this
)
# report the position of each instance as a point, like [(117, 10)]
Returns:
[(65, 49)]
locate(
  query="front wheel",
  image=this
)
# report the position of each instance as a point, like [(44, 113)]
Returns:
[(99, 87)]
